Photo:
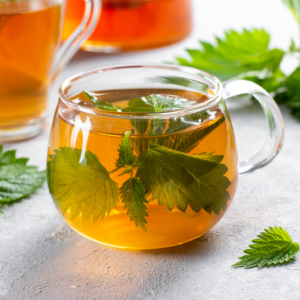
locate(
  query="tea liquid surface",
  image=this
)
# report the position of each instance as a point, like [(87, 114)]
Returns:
[(28, 42), (102, 137)]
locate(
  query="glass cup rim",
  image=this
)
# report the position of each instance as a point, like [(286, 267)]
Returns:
[(182, 111)]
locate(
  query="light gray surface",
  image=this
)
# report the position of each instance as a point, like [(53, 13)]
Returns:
[(41, 258)]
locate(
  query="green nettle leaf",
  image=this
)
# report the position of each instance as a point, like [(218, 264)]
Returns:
[(272, 82), (154, 103), (184, 142), (140, 125), (133, 195), (181, 123), (292, 94), (139, 105), (294, 6), (184, 180), (126, 155), (17, 180), (238, 53), (80, 184), (102, 105), (188, 141), (273, 246), (157, 103), (165, 103), (157, 126)]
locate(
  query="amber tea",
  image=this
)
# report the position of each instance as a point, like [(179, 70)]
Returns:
[(29, 36), (133, 24), (141, 182), (31, 56)]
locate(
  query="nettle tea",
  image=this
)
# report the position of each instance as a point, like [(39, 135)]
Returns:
[(31, 56), (144, 170)]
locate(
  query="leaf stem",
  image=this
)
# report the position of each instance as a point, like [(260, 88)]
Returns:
[(114, 170)]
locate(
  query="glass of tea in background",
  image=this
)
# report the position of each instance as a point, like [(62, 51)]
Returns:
[(30, 57), (133, 24), (144, 156)]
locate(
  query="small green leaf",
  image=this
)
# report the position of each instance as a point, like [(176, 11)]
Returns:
[(157, 103), (90, 96), (139, 105), (168, 103), (158, 125), (126, 155), (176, 178), (17, 180), (273, 246), (102, 105), (80, 184), (133, 194)]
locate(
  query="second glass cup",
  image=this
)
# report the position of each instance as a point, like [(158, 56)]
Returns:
[(30, 58), (144, 157)]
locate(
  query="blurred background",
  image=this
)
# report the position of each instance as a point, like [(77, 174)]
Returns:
[(210, 18)]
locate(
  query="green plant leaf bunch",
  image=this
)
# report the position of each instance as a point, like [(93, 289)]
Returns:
[(247, 55)]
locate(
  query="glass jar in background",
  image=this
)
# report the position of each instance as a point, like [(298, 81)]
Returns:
[(133, 24)]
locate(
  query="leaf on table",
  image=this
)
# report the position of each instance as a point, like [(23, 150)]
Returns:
[(291, 96), (273, 246), (17, 180), (272, 82), (294, 6), (236, 54), (80, 184), (133, 195), (178, 179), (126, 155)]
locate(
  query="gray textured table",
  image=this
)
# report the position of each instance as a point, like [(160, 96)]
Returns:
[(42, 258)]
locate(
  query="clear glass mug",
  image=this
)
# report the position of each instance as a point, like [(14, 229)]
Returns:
[(127, 25), (31, 57), (149, 178)]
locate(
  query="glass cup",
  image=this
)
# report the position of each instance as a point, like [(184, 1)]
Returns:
[(152, 177), (133, 24), (31, 57)]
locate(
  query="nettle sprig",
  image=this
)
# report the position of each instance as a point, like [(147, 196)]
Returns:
[(247, 55), (159, 167), (132, 191)]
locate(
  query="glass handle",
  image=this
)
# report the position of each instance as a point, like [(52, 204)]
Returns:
[(81, 33), (275, 135)]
